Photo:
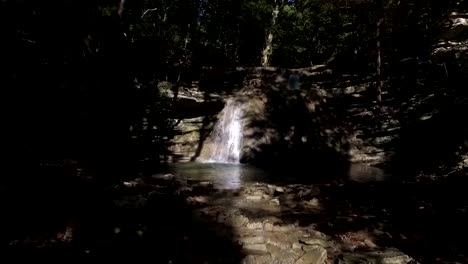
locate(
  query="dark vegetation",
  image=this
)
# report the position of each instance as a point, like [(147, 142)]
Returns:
[(84, 110)]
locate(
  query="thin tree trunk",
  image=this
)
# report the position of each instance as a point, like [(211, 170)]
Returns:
[(236, 52), (268, 50), (121, 8), (179, 76), (379, 62)]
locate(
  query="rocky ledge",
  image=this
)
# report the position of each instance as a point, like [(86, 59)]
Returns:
[(265, 222)]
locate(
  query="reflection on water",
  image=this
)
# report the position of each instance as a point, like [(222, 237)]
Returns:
[(364, 173), (223, 176)]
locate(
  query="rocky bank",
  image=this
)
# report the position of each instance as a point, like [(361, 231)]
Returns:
[(266, 222)]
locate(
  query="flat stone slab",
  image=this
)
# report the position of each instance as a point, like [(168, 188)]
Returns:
[(255, 248), (317, 255), (389, 256)]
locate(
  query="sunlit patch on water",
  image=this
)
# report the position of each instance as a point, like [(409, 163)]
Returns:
[(234, 176), (364, 173), (223, 176)]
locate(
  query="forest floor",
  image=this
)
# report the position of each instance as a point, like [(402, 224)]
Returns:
[(170, 220)]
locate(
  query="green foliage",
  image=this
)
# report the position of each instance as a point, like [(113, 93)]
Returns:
[(152, 126), (172, 40)]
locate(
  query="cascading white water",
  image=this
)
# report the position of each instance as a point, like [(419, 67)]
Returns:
[(227, 134)]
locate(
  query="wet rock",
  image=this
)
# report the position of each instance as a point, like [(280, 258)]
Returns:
[(283, 228), (255, 248), (316, 234), (253, 197), (389, 256), (167, 179), (280, 244), (305, 192), (289, 197), (257, 259), (271, 187), (260, 192), (205, 184), (275, 201), (255, 226), (257, 190), (297, 246), (317, 255), (282, 256), (197, 200), (184, 190), (211, 213), (280, 240), (279, 189), (163, 176), (273, 250), (252, 240), (222, 218), (130, 184), (131, 201), (314, 241), (203, 188), (370, 243), (285, 258), (238, 220), (298, 252), (314, 202), (267, 226)]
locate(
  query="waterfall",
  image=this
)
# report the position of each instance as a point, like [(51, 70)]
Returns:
[(227, 134)]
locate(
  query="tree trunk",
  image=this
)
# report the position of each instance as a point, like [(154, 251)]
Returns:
[(268, 50), (379, 63)]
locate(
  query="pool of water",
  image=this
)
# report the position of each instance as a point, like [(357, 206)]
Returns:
[(223, 176), (233, 176)]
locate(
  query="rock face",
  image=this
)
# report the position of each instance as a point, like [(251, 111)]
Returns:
[(185, 143), (278, 116)]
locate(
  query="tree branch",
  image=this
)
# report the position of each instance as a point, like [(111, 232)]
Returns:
[(148, 10)]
